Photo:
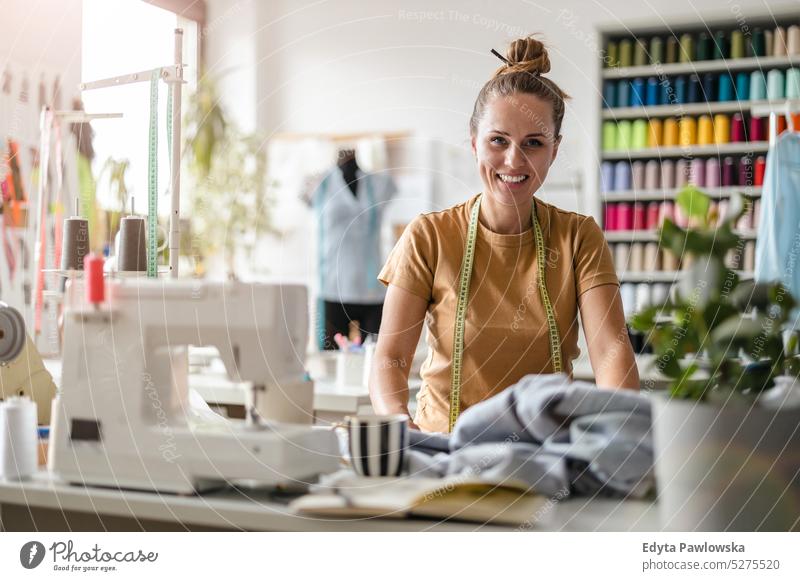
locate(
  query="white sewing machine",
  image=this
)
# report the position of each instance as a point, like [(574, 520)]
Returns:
[(22, 371), (123, 417)]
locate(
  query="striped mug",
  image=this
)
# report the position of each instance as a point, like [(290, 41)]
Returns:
[(377, 443)]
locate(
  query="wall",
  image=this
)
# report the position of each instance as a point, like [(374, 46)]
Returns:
[(41, 41), (418, 65)]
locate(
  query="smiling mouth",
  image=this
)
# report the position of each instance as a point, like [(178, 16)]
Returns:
[(512, 179)]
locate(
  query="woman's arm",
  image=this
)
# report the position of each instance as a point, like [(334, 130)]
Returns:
[(610, 348), (403, 316)]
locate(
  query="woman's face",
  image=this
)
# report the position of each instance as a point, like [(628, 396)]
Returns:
[(515, 146)]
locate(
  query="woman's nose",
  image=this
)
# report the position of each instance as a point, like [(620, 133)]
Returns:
[(515, 157)]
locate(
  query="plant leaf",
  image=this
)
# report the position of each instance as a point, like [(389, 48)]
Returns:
[(738, 332), (737, 205), (694, 203)]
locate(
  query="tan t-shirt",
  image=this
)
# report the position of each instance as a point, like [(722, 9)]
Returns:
[(506, 334)]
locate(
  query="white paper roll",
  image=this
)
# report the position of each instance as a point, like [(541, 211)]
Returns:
[(18, 438), (642, 296), (628, 292), (750, 256), (622, 256), (651, 257), (636, 263), (659, 294), (668, 262)]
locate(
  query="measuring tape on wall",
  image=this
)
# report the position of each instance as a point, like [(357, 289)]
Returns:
[(463, 297), (152, 171)]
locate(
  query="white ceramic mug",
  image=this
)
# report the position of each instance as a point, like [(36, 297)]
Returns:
[(377, 443)]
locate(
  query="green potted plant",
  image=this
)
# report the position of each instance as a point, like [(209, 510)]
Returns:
[(723, 460), (230, 201), (113, 179)]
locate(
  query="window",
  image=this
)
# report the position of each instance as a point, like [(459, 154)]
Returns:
[(123, 37)]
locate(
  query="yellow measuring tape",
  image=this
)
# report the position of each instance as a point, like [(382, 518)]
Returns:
[(463, 297)]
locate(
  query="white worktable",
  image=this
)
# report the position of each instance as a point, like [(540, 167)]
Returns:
[(331, 401), (45, 504), (329, 397)]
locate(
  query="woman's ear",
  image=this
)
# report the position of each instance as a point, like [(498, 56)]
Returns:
[(474, 149), (556, 143)]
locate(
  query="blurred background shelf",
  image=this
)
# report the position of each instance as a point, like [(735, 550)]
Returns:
[(745, 147), (662, 276), (652, 235), (671, 193), (705, 108), (707, 66)]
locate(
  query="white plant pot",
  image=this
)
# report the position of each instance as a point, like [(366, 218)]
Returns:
[(729, 467), (784, 395), (349, 369)]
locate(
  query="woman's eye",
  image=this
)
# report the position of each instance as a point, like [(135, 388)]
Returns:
[(533, 143), (498, 140)]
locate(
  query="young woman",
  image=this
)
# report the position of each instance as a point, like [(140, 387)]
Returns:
[(500, 278)]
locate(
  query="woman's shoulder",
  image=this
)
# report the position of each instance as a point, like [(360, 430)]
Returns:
[(560, 214), (442, 222), (568, 220)]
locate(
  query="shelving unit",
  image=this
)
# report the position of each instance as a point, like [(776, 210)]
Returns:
[(743, 148), (670, 193), (692, 109), (708, 66), (652, 103), (648, 276), (652, 235), (667, 276)]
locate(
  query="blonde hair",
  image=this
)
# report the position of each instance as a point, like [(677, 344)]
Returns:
[(526, 61)]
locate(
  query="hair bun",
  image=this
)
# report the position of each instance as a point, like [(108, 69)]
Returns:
[(527, 55)]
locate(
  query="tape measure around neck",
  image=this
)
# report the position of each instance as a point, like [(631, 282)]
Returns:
[(463, 297)]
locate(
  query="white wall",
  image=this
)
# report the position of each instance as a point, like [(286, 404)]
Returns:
[(40, 41), (45, 33), (360, 65)]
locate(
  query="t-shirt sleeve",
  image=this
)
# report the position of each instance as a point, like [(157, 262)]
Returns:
[(411, 263), (593, 263)]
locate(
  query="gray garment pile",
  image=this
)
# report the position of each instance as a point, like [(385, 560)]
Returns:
[(558, 437)]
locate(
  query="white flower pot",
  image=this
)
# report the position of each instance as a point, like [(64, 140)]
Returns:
[(729, 467)]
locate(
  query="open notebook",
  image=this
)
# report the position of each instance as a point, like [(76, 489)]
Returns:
[(457, 498)]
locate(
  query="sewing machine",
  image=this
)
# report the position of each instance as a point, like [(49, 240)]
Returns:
[(22, 372), (123, 416)]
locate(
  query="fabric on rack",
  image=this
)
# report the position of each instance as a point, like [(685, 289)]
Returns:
[(778, 242), (558, 437)]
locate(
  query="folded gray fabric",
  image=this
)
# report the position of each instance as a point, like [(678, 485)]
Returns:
[(429, 442), (540, 407), (424, 465), (556, 436)]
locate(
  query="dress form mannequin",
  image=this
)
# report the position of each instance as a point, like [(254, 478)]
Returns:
[(349, 167), (349, 203)]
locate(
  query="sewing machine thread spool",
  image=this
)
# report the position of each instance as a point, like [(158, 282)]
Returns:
[(12, 333), (132, 245), (18, 438), (95, 284), (76, 243)]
